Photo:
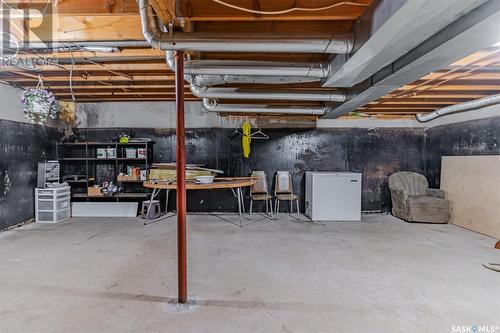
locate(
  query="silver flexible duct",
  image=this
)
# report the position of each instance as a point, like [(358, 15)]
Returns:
[(237, 42), (262, 109), (467, 106)]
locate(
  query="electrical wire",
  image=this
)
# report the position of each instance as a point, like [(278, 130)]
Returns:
[(285, 11)]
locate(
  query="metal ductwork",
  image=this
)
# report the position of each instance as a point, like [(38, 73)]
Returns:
[(213, 80), (236, 93), (201, 74), (317, 71), (463, 107), (201, 90), (263, 109), (238, 42), (204, 80), (264, 68)]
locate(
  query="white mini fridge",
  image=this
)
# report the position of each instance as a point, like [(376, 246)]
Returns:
[(333, 196)]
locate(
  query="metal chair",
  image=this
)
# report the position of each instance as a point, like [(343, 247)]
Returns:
[(283, 191), (259, 191)]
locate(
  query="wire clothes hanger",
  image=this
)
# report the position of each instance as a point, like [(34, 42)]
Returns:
[(259, 135)]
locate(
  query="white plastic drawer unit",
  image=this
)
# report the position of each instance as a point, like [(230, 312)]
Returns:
[(333, 196), (53, 217), (52, 205)]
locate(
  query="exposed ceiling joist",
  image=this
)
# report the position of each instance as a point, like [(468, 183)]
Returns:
[(472, 32), (388, 30), (70, 28)]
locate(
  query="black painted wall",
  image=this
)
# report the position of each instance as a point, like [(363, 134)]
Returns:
[(374, 152), (477, 137), (22, 146)]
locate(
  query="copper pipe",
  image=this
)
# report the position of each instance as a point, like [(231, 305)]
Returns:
[(181, 180)]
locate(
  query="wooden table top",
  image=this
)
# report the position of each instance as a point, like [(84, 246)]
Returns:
[(223, 183)]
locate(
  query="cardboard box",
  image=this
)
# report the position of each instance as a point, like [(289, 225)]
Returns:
[(125, 178), (95, 191)]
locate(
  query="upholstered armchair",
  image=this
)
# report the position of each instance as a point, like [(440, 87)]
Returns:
[(414, 201)]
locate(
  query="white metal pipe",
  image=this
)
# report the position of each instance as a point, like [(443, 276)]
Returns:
[(262, 109), (463, 107), (216, 79), (241, 42), (212, 80), (236, 93), (258, 68)]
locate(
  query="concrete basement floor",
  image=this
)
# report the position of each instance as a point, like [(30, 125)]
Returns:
[(117, 275)]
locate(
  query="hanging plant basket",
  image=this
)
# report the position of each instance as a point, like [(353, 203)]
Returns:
[(39, 105)]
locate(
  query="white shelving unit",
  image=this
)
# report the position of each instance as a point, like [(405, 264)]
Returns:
[(52, 205)]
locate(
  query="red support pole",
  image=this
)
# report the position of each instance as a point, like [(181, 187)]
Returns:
[(181, 179)]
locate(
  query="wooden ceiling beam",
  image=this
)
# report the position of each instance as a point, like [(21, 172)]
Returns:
[(162, 66), (416, 100), (89, 28), (275, 26), (393, 113), (129, 54), (71, 7), (117, 93), (457, 87), (125, 99), (218, 18), (476, 75), (208, 8), (166, 10), (106, 87), (412, 104), (399, 107), (91, 78)]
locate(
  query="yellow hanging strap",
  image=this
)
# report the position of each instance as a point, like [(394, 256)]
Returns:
[(245, 141)]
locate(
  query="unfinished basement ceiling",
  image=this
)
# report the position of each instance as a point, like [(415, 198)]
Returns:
[(470, 78), (141, 73)]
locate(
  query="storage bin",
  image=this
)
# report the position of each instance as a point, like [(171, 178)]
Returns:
[(111, 152), (131, 152), (141, 153), (54, 193), (53, 217), (52, 205), (101, 152)]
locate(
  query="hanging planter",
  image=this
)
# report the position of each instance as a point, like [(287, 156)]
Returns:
[(39, 104)]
